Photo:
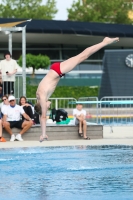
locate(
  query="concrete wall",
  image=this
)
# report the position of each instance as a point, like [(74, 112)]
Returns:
[(58, 132), (117, 76)]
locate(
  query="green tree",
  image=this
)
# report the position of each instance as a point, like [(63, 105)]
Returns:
[(105, 11), (32, 9), (36, 62)]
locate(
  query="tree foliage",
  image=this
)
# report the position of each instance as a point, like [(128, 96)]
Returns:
[(36, 62), (104, 11), (31, 9)]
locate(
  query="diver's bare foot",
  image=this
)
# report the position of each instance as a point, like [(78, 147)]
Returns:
[(108, 40), (42, 138)]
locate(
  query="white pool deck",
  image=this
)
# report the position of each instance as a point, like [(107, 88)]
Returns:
[(122, 135)]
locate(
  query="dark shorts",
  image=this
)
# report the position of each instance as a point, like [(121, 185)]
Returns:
[(16, 124), (56, 68), (76, 121)]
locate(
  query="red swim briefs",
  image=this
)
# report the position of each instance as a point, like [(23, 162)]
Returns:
[(56, 68)]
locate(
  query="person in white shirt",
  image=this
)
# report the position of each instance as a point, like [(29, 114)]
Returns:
[(12, 118), (8, 68), (80, 119), (4, 104)]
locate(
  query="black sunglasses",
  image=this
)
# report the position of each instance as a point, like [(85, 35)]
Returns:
[(4, 99)]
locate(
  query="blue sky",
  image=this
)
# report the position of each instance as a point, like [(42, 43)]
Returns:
[(62, 6)]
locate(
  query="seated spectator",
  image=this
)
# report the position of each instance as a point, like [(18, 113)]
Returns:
[(12, 118), (4, 104), (27, 107), (2, 139), (80, 115)]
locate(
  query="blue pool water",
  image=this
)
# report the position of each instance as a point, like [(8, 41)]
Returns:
[(121, 121), (112, 121), (67, 173)]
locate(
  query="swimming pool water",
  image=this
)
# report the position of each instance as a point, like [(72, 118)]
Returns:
[(67, 173)]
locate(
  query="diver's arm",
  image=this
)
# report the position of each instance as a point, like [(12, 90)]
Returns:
[(43, 116)]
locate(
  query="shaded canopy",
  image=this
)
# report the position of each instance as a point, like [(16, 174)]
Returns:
[(11, 24), (72, 27)]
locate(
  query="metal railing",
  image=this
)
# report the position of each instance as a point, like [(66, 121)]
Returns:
[(119, 112), (16, 90), (109, 111), (56, 103)]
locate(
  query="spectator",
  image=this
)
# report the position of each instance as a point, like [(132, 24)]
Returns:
[(12, 118), (27, 107), (2, 139), (8, 68), (80, 120), (4, 104)]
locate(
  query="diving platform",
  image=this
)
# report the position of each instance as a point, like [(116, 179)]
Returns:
[(58, 132)]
